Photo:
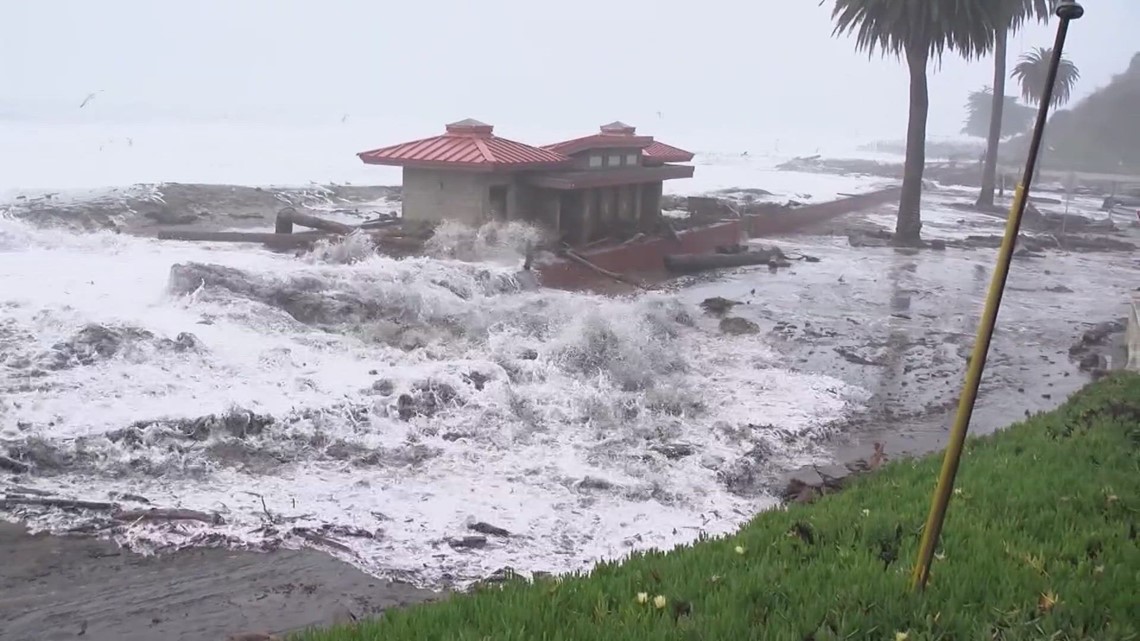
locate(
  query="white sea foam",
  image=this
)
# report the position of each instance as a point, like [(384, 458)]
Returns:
[(408, 396)]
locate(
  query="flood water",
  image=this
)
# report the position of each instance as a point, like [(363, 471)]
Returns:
[(901, 324), (386, 405), (438, 420)]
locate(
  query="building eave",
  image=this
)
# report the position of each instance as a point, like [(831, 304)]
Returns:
[(670, 158), (599, 141), (659, 152), (461, 166), (587, 179)]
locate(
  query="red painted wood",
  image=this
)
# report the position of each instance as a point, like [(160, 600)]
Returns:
[(647, 259)]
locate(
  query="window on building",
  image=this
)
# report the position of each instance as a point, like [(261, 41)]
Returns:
[(615, 160), (631, 159), (596, 160)]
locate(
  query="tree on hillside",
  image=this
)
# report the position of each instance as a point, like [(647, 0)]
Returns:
[(1011, 15), (1032, 70), (1101, 133), (917, 30), (1016, 118)]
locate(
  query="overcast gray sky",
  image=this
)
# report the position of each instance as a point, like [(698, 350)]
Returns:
[(705, 65)]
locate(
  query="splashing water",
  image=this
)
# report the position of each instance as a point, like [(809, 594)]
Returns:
[(354, 248), (494, 241), (386, 404)]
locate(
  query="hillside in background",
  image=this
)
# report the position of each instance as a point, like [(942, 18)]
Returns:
[(1099, 134)]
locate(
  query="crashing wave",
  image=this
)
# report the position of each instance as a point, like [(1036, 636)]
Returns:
[(494, 241), (430, 390)]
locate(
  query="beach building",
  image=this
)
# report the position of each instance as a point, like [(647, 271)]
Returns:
[(587, 188)]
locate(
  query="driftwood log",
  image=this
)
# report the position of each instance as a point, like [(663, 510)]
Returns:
[(51, 501), (381, 223), (149, 514), (165, 514), (12, 465), (577, 258), (317, 538), (287, 241), (288, 217), (390, 234), (276, 241), (694, 263)]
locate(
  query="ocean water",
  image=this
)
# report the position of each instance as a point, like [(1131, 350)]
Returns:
[(379, 407), (36, 157)]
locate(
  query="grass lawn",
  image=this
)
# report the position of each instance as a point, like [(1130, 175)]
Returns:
[(1041, 542)]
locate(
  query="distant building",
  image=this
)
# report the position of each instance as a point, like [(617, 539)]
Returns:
[(586, 188)]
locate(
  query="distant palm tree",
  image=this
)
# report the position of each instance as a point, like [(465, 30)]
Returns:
[(1031, 72), (1016, 118), (1012, 14), (917, 30)]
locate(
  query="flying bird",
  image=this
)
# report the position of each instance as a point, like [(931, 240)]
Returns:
[(89, 98)]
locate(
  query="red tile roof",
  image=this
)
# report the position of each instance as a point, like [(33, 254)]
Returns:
[(615, 134), (467, 144), (660, 152)]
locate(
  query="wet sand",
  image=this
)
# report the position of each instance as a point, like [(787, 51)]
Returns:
[(65, 588)]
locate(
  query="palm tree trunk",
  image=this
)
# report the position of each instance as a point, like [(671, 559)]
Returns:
[(989, 173), (908, 228)]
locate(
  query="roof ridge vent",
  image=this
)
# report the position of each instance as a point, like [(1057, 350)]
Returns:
[(470, 127), (618, 128)]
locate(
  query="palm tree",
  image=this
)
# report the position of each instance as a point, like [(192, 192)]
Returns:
[(1031, 72), (917, 30), (1100, 133), (1012, 14)]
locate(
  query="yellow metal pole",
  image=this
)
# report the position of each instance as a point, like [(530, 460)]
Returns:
[(1067, 10)]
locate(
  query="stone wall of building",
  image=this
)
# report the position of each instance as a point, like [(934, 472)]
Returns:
[(464, 196)]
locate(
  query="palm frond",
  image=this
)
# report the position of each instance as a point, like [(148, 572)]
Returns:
[(1018, 12), (892, 27)]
